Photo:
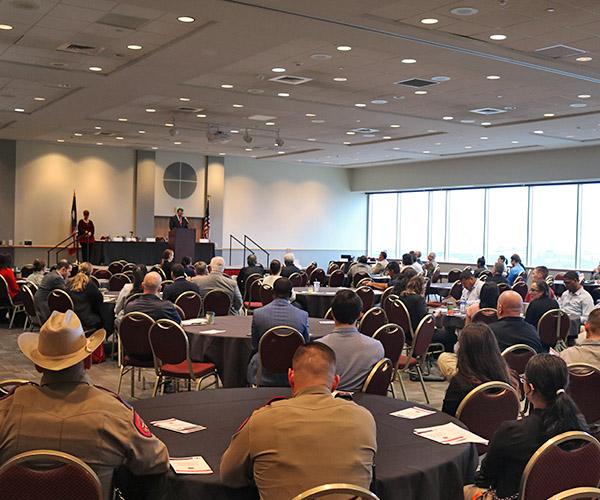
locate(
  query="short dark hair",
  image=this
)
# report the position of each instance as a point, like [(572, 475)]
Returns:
[(384, 253), (543, 270), (251, 259), (177, 270), (186, 261), (515, 257), (481, 262), (572, 275), (542, 287), (499, 267), (488, 296), (63, 264), (346, 306), (167, 254), (393, 266), (86, 212), (5, 260), (407, 259), (282, 288), (466, 274), (38, 265), (362, 259), (275, 266)]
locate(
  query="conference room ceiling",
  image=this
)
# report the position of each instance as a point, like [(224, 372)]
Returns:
[(130, 74)]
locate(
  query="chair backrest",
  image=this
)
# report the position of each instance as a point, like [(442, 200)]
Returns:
[(191, 303), (132, 296), (46, 474), (169, 344), (521, 288), (252, 289), (102, 274), (379, 378), (456, 290), (9, 385), (488, 405), (217, 301), (95, 280), (578, 494), (309, 269), (423, 335), (358, 277), (372, 320), (160, 271), (398, 313), (180, 312), (569, 460), (165, 283), (129, 267), (553, 326), (266, 294), (26, 270), (317, 274), (328, 314), (486, 315), (115, 267), (392, 338), (367, 295), (503, 287), (336, 278), (296, 279), (277, 346), (60, 301), (387, 293), (251, 279), (435, 275), (584, 388), (332, 267), (133, 334), (337, 489), (453, 275), (517, 356), (28, 302), (117, 282), (304, 278)]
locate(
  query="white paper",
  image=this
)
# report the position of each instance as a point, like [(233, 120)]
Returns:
[(190, 465), (174, 424), (449, 434), (194, 321), (412, 413), (341, 393), (213, 331), (327, 322)]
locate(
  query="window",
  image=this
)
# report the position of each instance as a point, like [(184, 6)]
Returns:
[(507, 222), (589, 247), (383, 210), (414, 217), (437, 225), (465, 224)]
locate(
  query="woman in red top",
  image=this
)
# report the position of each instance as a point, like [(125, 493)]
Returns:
[(9, 276), (85, 233)]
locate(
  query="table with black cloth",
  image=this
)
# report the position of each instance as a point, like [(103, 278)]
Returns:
[(317, 303), (231, 350), (406, 466), (441, 289), (141, 252)]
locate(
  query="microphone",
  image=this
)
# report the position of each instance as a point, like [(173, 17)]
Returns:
[(185, 219)]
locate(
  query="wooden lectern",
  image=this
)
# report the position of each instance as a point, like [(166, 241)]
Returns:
[(182, 242)]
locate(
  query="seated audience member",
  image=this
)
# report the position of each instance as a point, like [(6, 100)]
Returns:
[(201, 269), (516, 269), (502, 260), (356, 353), (418, 256), (481, 267), (413, 298), (575, 301), (253, 267), (471, 287), (290, 445), (393, 271), (150, 303), (511, 328), (167, 262), (540, 303), (180, 284), (513, 444), (128, 291), (430, 265), (6, 271), (275, 273), (402, 280), (488, 298), (498, 274), (86, 297), (539, 273), (190, 270), (217, 280), (477, 361), (53, 280), (596, 273), (289, 267), (408, 261), (361, 266), (587, 351), (277, 313), (381, 263), (67, 413), (39, 270)]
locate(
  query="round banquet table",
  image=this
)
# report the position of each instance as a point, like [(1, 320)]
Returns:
[(231, 349), (441, 289), (407, 466), (317, 303)]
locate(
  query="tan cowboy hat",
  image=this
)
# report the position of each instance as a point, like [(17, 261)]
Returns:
[(61, 342)]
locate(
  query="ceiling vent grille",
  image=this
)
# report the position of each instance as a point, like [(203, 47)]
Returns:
[(121, 21), (558, 51), (189, 109), (488, 111), (290, 79), (365, 130), (77, 48), (415, 83)]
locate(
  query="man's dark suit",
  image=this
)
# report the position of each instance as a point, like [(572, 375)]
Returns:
[(180, 285), (175, 223), (511, 331), (245, 273), (288, 270), (154, 307), (50, 282)]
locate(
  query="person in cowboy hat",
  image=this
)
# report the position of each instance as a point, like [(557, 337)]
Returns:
[(65, 412)]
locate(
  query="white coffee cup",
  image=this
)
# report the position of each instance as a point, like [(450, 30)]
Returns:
[(317, 286)]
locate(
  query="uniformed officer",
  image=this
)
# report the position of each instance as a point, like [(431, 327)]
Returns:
[(293, 445), (67, 413)]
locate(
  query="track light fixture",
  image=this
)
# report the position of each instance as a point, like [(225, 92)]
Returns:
[(247, 137), (278, 140)]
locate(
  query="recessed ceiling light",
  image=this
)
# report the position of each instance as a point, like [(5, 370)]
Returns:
[(278, 70), (379, 101), (350, 132), (60, 140), (440, 78), (95, 68), (347, 143), (248, 149), (344, 48), (280, 152), (340, 79), (234, 131), (538, 131), (169, 124), (185, 19), (498, 37), (77, 134), (584, 59), (426, 152), (493, 77), (311, 139), (464, 11), (134, 46), (99, 143), (184, 99), (360, 105), (394, 125), (437, 144), (408, 61), (317, 121), (548, 115), (269, 123), (177, 142), (19, 110), (584, 96), (484, 138), (6, 27), (447, 118), (226, 86), (420, 92), (467, 121), (222, 154), (486, 124), (141, 131), (238, 105), (201, 115), (122, 119), (468, 147), (578, 105), (39, 98), (386, 137), (310, 114), (150, 110), (429, 20), (283, 94), (119, 138), (98, 127), (514, 142), (551, 10)]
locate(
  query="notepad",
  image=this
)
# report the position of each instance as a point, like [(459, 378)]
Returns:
[(412, 413), (449, 434), (327, 322), (176, 425), (190, 465)]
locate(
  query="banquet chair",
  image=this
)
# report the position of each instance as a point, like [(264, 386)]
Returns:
[(587, 493), (129, 267), (521, 288), (191, 303), (517, 356), (488, 405), (26, 270), (367, 295), (117, 282), (387, 293), (358, 277), (60, 301), (379, 378), (129, 274), (553, 328), (252, 293), (7, 303), (569, 460), (180, 312), (453, 275), (317, 274), (164, 284), (9, 385), (159, 270), (102, 274), (217, 301), (115, 268), (371, 321), (487, 315), (435, 275), (95, 280), (266, 294), (48, 474), (584, 388), (468, 268), (503, 287), (31, 321), (363, 282), (398, 313), (336, 278), (328, 314), (304, 278), (392, 338), (309, 269), (296, 279), (134, 346), (350, 490), (276, 349), (132, 297), (456, 290), (332, 267), (171, 350)]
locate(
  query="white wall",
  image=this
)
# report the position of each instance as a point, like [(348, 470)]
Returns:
[(46, 175)]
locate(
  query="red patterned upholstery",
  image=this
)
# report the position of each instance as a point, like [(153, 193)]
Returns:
[(584, 388), (367, 295), (182, 370)]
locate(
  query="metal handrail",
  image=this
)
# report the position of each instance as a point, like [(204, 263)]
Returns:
[(246, 237), (59, 245), (231, 238)]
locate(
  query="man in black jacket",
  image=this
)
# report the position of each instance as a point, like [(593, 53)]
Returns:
[(179, 285), (179, 220), (53, 280), (150, 303), (253, 267), (289, 267)]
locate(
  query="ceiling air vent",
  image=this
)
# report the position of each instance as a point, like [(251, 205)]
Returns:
[(365, 130), (488, 111), (78, 48), (557, 51), (121, 21), (415, 83), (290, 79)]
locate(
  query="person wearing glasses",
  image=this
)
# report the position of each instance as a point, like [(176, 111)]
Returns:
[(541, 302)]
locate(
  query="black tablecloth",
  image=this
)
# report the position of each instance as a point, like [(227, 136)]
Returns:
[(407, 466), (141, 252), (317, 303), (441, 289)]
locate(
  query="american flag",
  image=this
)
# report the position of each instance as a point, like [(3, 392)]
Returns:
[(74, 214), (206, 222)]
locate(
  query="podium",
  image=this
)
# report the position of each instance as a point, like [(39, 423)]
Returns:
[(182, 242)]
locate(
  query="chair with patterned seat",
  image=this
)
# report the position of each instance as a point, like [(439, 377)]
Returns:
[(367, 295), (398, 313), (517, 356), (134, 346), (172, 360), (336, 278), (60, 301), (191, 303), (553, 328), (117, 282), (487, 315), (584, 388), (217, 301), (276, 349), (371, 321), (392, 338), (336, 489), (379, 378)]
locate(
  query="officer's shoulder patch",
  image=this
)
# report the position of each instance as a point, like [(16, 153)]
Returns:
[(140, 425)]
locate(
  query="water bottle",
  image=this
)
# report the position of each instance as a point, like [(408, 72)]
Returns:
[(463, 306)]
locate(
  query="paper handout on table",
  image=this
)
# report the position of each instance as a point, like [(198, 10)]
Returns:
[(213, 331), (327, 322), (174, 424), (449, 434), (412, 413), (190, 465), (194, 321)]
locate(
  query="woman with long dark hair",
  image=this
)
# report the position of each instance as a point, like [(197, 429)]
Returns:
[(128, 291), (413, 298), (488, 299), (513, 444), (540, 303), (478, 361)]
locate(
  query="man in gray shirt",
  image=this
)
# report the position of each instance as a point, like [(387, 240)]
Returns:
[(587, 351), (216, 280), (355, 353)]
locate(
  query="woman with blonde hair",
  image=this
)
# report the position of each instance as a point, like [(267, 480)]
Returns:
[(86, 297)]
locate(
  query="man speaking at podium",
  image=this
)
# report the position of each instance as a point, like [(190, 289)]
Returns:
[(179, 220)]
